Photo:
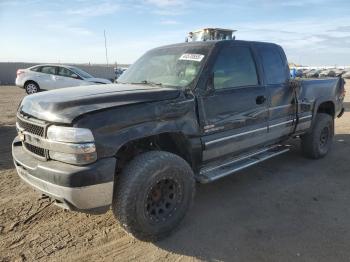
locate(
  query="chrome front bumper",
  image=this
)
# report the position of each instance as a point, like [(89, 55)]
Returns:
[(82, 188)]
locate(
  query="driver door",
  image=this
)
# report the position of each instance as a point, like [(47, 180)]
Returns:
[(66, 78), (235, 113)]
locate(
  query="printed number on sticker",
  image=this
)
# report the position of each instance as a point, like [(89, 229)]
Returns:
[(192, 57)]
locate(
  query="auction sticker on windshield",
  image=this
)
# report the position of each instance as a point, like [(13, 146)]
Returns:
[(192, 57)]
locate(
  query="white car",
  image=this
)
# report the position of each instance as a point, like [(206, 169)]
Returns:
[(347, 74), (48, 77)]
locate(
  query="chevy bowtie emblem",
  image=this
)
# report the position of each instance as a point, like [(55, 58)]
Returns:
[(21, 135)]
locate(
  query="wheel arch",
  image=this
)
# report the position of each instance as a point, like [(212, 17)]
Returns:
[(326, 107), (30, 81), (173, 142)]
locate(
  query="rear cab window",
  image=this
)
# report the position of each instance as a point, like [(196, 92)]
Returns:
[(275, 66)]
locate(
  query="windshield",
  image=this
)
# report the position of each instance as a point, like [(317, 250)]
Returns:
[(171, 66), (80, 72)]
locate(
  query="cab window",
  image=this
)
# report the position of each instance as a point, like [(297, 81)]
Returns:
[(48, 70), (234, 67), (36, 69), (274, 67), (66, 72)]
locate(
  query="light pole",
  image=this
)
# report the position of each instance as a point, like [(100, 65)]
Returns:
[(104, 33)]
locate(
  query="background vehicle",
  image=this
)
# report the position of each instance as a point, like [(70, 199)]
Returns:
[(339, 71), (347, 74), (296, 73), (313, 73), (332, 73), (328, 73), (324, 73), (182, 113), (299, 73), (305, 71), (119, 71), (49, 77)]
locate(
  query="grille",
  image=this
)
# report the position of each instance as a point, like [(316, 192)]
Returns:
[(30, 127), (34, 149), (35, 129)]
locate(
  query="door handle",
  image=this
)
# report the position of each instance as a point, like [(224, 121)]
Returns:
[(260, 100)]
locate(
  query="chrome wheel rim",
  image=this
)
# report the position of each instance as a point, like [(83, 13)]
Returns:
[(31, 88)]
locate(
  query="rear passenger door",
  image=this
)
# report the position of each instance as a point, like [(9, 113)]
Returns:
[(234, 114), (281, 96), (47, 77)]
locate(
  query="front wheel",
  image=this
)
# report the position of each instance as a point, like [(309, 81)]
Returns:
[(317, 143), (152, 194)]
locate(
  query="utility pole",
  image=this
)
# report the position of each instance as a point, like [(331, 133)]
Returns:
[(104, 33)]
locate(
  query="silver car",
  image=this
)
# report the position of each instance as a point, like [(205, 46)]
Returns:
[(49, 77)]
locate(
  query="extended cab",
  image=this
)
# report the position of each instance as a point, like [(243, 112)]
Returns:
[(181, 113)]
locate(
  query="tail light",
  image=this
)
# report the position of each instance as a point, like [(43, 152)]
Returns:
[(20, 71)]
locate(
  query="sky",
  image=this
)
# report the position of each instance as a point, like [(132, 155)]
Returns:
[(312, 32)]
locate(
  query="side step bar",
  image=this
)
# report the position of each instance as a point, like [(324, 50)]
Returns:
[(211, 173)]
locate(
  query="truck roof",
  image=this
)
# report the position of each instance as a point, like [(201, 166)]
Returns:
[(212, 43)]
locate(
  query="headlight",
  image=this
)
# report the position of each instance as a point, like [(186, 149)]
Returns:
[(69, 134), (71, 145)]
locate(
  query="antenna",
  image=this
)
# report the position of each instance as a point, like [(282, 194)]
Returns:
[(104, 33)]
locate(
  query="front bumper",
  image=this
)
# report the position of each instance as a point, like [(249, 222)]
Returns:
[(83, 188)]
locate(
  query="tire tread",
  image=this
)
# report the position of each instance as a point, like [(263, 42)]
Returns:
[(309, 141), (130, 179)]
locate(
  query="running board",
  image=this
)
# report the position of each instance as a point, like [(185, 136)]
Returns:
[(211, 173)]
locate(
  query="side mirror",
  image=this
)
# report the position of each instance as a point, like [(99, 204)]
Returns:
[(75, 76)]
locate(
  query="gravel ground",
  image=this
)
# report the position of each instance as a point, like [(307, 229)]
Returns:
[(285, 209)]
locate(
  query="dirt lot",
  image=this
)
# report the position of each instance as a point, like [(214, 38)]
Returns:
[(286, 209)]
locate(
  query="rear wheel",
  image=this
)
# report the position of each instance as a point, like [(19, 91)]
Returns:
[(152, 194), (318, 142), (31, 88)]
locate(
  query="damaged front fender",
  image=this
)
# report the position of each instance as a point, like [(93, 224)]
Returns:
[(115, 127)]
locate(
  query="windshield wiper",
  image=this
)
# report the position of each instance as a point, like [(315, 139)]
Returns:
[(145, 82)]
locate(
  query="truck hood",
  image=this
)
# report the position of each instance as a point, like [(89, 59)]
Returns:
[(64, 105)]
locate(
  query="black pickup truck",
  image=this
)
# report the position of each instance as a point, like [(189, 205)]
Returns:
[(181, 113)]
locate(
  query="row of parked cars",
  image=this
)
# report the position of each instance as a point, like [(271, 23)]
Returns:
[(50, 76), (316, 73)]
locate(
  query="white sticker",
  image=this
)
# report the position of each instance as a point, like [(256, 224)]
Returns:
[(192, 57)]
